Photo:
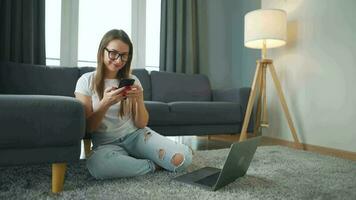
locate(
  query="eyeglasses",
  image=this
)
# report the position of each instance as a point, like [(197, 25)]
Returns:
[(114, 55)]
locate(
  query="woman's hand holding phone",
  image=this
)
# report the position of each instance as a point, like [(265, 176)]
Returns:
[(112, 95), (126, 84), (135, 92)]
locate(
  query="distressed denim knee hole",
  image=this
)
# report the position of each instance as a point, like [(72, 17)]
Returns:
[(161, 153), (147, 136), (177, 159), (191, 150), (109, 155)]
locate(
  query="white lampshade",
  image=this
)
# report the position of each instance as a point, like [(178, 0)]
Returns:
[(269, 25)]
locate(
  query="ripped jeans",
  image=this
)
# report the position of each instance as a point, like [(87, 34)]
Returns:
[(136, 154)]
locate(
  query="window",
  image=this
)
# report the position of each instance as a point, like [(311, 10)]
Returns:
[(153, 23), (95, 18), (53, 30)]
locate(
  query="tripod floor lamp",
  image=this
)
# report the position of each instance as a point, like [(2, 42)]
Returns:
[(265, 28)]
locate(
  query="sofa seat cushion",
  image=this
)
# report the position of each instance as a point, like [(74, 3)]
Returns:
[(187, 113), (193, 113), (158, 112)]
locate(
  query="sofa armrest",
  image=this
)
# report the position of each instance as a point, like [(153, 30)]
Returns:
[(232, 95), (32, 121), (239, 95)]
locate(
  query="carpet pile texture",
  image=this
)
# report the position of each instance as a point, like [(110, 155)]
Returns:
[(275, 172)]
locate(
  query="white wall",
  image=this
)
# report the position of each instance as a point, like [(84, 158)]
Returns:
[(243, 59), (317, 70), (216, 44), (226, 58)]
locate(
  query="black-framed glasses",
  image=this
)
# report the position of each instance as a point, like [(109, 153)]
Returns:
[(114, 55)]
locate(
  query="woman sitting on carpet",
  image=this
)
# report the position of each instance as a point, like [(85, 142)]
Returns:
[(117, 118)]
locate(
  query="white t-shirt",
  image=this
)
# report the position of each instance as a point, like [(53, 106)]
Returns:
[(112, 126)]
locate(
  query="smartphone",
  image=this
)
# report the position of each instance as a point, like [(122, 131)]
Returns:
[(126, 82)]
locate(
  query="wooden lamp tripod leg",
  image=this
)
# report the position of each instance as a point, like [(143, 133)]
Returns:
[(264, 122), (256, 80), (261, 88), (297, 144)]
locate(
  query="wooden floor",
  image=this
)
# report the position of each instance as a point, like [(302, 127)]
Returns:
[(225, 141)]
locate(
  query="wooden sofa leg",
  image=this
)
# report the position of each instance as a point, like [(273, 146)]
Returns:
[(58, 172), (87, 147)]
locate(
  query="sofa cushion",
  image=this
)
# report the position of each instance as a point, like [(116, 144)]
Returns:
[(158, 112), (169, 87), (193, 113), (199, 113), (145, 80), (83, 70), (32, 121), (18, 78), (206, 129)]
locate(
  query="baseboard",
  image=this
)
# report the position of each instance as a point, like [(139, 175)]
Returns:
[(275, 141), (313, 148), (226, 137)]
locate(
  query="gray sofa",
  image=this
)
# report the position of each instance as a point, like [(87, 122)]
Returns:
[(181, 104), (41, 122)]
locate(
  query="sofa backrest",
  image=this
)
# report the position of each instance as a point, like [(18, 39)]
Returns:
[(145, 80), (170, 87), (18, 78)]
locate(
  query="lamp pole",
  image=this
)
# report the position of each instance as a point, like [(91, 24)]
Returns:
[(264, 50)]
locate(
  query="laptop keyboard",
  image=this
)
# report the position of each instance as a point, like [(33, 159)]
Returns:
[(209, 180)]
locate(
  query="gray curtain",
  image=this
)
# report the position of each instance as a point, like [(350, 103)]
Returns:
[(181, 31), (22, 35)]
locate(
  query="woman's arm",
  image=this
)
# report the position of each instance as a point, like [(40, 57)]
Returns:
[(141, 114), (141, 117), (94, 119)]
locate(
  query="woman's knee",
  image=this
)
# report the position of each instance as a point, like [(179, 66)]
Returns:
[(95, 170), (181, 161), (177, 159), (112, 164), (101, 163)]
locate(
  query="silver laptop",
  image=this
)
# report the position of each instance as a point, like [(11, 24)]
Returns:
[(236, 165)]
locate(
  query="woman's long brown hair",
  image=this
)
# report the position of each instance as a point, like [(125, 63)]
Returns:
[(99, 79)]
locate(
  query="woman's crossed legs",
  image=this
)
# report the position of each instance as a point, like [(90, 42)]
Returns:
[(138, 153)]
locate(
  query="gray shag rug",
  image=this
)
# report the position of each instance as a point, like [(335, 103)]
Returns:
[(275, 173)]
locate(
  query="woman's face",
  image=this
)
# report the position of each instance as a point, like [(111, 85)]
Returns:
[(116, 54)]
